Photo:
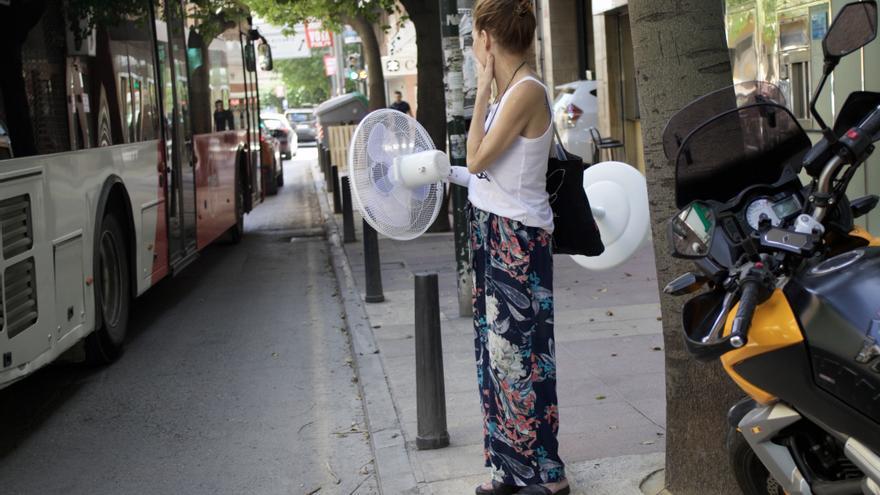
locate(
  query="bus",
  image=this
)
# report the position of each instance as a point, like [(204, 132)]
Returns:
[(129, 141)]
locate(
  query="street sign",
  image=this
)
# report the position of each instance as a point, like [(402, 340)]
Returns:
[(329, 65), (286, 47), (400, 65), (317, 37)]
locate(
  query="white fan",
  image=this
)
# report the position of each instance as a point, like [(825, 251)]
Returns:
[(397, 178), (396, 174), (618, 195)]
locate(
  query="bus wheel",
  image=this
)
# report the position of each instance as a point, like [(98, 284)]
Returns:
[(112, 294), (279, 180), (272, 181), (236, 232)]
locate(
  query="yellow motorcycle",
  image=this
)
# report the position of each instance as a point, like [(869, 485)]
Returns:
[(791, 303)]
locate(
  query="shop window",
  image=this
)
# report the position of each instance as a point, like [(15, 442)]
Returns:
[(800, 89)]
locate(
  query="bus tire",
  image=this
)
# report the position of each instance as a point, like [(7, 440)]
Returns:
[(279, 179), (112, 294), (236, 232), (272, 181)]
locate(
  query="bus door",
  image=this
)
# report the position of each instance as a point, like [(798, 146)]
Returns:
[(180, 166)]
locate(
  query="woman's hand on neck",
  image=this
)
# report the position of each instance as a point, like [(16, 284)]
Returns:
[(505, 66)]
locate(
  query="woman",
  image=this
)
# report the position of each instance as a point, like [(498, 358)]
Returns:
[(510, 233)]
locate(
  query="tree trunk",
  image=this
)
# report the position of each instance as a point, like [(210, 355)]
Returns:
[(681, 54), (373, 60), (431, 101)]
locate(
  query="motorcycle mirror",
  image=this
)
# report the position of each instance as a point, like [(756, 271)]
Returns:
[(854, 27), (686, 284), (690, 232)]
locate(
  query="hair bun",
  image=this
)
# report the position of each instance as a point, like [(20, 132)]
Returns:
[(523, 8)]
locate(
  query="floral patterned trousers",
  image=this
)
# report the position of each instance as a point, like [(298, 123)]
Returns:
[(516, 359)]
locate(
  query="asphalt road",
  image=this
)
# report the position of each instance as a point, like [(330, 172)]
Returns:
[(236, 379)]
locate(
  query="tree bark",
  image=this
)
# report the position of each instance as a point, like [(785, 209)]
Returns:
[(431, 100), (681, 54), (373, 60)]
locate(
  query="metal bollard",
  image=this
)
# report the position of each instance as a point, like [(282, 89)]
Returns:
[(372, 265), (347, 213), (328, 163), (430, 388), (334, 178)]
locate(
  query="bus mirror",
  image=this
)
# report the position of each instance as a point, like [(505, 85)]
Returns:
[(266, 62), (250, 59)]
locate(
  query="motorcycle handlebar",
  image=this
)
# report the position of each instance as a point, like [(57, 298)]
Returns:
[(747, 304)]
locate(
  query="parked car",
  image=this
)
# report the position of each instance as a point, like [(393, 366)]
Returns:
[(282, 131), (303, 122), (576, 109), (270, 157)]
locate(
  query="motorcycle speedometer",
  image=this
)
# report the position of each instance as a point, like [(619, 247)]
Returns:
[(760, 209)]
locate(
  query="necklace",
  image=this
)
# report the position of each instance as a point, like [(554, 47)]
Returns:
[(510, 81)]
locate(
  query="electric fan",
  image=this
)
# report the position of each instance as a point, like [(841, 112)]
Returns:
[(396, 175), (618, 196), (397, 179)]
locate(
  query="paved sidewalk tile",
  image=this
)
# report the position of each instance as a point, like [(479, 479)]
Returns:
[(610, 365)]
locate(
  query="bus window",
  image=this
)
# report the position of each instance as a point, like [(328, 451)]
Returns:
[(76, 84)]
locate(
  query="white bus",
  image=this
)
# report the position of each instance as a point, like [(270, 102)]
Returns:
[(113, 171)]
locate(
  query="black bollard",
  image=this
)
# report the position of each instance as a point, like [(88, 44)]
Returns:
[(328, 163), (372, 265), (430, 388), (347, 213), (334, 178)]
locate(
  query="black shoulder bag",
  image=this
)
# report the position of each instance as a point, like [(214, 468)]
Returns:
[(574, 228)]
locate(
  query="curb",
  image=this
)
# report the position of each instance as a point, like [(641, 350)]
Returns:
[(394, 473)]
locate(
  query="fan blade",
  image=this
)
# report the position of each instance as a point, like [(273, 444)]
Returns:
[(376, 145)]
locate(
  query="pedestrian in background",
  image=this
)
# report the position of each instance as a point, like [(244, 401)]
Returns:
[(400, 105), (511, 227), (223, 119)]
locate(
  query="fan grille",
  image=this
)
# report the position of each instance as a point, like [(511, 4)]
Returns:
[(392, 209)]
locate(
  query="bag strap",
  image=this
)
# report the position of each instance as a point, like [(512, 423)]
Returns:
[(561, 154)]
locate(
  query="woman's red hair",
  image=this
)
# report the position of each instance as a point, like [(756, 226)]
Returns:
[(511, 22)]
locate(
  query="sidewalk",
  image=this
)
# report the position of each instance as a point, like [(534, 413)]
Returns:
[(610, 368)]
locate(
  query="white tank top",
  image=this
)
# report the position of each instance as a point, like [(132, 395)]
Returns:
[(515, 185)]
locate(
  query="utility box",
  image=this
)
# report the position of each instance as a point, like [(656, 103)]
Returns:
[(336, 121), (345, 109)]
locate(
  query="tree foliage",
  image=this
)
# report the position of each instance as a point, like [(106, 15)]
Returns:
[(333, 14)]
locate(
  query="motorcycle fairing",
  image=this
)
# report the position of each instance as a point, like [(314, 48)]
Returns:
[(786, 373), (837, 303), (774, 327)]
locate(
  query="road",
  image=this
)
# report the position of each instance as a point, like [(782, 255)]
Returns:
[(236, 379)]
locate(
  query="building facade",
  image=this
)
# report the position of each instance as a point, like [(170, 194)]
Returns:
[(779, 41)]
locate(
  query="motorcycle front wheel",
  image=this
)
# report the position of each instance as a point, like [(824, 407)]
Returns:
[(751, 475)]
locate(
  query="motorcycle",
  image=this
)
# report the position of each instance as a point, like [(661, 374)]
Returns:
[(788, 285)]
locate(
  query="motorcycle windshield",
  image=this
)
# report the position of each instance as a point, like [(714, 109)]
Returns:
[(731, 139)]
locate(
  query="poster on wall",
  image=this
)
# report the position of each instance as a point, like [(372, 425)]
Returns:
[(819, 25), (468, 66)]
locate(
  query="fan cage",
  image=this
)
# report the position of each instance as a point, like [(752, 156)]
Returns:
[(391, 209)]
